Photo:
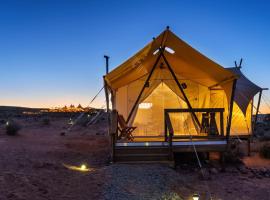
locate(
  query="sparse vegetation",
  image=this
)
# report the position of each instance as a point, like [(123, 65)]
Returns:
[(265, 151), (12, 127), (46, 121), (234, 154)]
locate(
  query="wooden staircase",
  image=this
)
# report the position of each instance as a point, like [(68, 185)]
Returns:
[(142, 154)]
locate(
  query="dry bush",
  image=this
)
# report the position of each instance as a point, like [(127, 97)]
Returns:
[(233, 154), (46, 121), (12, 127), (265, 151)]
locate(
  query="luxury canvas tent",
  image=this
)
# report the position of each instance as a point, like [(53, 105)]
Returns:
[(172, 93)]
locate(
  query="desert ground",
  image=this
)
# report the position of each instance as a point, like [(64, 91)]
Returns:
[(35, 165)]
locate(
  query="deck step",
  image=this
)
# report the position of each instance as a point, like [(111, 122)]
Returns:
[(141, 150), (142, 157), (141, 154)]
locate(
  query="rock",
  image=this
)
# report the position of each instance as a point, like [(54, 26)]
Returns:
[(11, 195), (63, 133), (242, 169), (259, 177), (213, 171), (204, 174)]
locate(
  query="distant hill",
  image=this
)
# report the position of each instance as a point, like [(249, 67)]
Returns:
[(19, 109)]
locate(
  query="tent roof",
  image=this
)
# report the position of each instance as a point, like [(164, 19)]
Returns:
[(245, 89), (185, 61)]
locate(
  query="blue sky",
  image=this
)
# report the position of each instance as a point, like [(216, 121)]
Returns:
[(52, 51)]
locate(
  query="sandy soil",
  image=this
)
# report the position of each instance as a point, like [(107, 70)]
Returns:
[(31, 167)]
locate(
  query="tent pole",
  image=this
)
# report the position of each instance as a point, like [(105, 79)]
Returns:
[(107, 63), (257, 110), (182, 91), (105, 83), (112, 135), (228, 131), (144, 86), (252, 125)]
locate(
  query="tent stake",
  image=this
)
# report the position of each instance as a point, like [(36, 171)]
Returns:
[(182, 91)]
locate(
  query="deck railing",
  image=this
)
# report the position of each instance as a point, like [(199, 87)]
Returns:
[(206, 130)]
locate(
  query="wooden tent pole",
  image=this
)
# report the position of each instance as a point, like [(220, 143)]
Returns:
[(182, 91), (144, 86), (228, 130), (111, 131)]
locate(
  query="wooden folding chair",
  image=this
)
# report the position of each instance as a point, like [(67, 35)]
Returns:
[(124, 129)]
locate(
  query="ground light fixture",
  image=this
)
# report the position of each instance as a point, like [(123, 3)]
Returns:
[(196, 197), (81, 168)]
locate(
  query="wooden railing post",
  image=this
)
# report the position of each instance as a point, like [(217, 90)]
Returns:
[(169, 126), (221, 123), (165, 127)]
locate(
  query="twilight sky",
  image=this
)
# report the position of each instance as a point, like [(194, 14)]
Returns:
[(51, 52)]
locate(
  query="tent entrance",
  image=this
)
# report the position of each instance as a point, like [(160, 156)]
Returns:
[(149, 118)]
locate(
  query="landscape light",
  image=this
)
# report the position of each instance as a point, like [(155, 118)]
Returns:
[(83, 167), (196, 197), (7, 123)]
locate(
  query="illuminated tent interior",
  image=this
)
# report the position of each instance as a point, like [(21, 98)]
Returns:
[(149, 82)]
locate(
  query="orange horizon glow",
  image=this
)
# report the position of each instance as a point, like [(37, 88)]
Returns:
[(52, 104), (100, 103)]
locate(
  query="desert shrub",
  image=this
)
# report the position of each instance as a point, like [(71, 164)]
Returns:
[(46, 121), (265, 138), (12, 127), (233, 154), (265, 151)]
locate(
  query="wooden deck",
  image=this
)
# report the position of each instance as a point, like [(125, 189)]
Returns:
[(163, 148), (154, 149)]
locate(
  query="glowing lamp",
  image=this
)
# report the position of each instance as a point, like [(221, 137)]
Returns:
[(147, 144), (83, 167), (196, 197), (7, 123)]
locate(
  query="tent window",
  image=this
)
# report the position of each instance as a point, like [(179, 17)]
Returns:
[(156, 51), (145, 105), (169, 50)]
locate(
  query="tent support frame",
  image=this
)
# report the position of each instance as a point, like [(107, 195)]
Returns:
[(228, 130), (144, 86), (182, 91), (257, 110)]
